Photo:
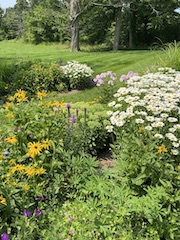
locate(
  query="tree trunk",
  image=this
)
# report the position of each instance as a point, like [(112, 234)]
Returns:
[(132, 28), (74, 17), (117, 29)]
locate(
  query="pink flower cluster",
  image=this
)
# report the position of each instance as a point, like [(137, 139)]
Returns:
[(103, 77), (129, 75)]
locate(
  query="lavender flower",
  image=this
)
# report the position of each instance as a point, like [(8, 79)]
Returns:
[(6, 153), (38, 212), (4, 236), (26, 213), (71, 231), (72, 119), (68, 105), (40, 198)]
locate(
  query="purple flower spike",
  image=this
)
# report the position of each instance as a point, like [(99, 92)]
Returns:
[(26, 213), (72, 119), (40, 198), (38, 212), (6, 153), (68, 105), (4, 236)]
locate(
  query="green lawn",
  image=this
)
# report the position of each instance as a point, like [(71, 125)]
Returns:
[(119, 62)]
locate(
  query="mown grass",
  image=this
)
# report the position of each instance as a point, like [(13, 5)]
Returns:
[(119, 62)]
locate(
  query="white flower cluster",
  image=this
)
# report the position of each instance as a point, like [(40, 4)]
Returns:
[(153, 102), (76, 70)]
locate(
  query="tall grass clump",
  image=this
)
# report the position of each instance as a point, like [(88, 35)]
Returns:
[(172, 56)]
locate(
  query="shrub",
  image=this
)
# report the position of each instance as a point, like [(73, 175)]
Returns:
[(77, 75), (38, 77)]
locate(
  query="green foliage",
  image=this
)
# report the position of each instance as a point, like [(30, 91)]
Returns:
[(44, 25), (172, 56), (37, 77)]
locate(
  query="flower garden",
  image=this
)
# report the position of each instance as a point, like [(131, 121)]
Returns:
[(52, 185)]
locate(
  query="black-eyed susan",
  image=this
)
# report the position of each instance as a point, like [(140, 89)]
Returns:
[(8, 105), (9, 115), (162, 149), (30, 171), (20, 96), (41, 94), (26, 187), (40, 171), (46, 144), (11, 140), (3, 200), (34, 149)]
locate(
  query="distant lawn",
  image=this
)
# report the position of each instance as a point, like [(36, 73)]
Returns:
[(119, 62)]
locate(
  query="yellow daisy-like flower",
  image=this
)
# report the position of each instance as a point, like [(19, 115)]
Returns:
[(26, 187), (41, 94), (1, 156), (11, 98), (141, 128), (8, 105), (162, 149), (20, 96), (9, 115), (34, 149), (14, 183), (12, 162), (3, 200), (17, 167), (40, 171), (30, 171), (11, 140), (59, 104), (46, 144)]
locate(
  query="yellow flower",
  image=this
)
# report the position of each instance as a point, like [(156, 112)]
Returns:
[(34, 149), (41, 94), (12, 162), (14, 183), (58, 104), (1, 156), (9, 115), (162, 149), (17, 167), (11, 98), (8, 105), (20, 96), (46, 144), (3, 200), (30, 171), (7, 180), (40, 171), (141, 128), (26, 187), (11, 140)]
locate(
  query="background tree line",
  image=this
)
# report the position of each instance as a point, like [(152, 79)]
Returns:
[(118, 24)]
